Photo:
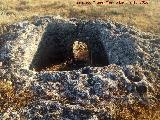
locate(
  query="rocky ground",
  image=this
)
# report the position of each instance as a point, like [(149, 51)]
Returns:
[(121, 80)]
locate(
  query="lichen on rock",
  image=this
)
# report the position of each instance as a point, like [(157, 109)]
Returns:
[(116, 72)]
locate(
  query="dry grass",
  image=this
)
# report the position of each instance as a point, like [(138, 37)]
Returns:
[(139, 112), (9, 97), (144, 17)]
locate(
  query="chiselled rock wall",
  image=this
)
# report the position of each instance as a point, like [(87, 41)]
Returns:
[(124, 70)]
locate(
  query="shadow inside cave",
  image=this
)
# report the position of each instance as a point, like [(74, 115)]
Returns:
[(56, 50)]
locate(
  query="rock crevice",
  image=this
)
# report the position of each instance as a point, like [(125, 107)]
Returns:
[(80, 69)]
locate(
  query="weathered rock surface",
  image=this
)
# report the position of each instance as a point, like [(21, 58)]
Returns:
[(124, 70)]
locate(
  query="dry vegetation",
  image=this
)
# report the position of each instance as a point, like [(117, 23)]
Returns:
[(10, 99), (144, 17)]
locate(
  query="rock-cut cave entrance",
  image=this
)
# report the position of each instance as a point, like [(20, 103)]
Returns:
[(60, 53)]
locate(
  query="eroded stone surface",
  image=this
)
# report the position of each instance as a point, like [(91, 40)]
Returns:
[(131, 74)]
